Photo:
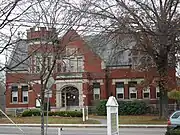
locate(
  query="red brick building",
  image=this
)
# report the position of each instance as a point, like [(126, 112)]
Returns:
[(84, 72)]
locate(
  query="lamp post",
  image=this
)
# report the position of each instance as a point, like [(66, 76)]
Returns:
[(50, 82)]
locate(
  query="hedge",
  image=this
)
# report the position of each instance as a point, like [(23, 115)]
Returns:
[(135, 107), (33, 112), (66, 113), (36, 112)]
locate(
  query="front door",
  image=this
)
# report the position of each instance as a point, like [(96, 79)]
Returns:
[(70, 96)]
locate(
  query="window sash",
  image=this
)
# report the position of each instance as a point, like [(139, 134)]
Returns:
[(146, 95), (132, 90), (133, 95), (119, 85), (24, 88), (79, 64), (157, 92), (96, 91), (14, 88), (96, 96), (25, 96), (146, 92), (120, 95), (14, 96), (119, 90)]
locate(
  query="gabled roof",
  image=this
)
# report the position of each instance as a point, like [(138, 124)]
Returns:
[(17, 60)]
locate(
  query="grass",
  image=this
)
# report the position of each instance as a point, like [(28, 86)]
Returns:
[(136, 119), (51, 120), (72, 120)]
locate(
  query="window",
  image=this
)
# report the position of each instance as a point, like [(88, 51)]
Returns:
[(38, 64), (157, 92), (25, 94), (175, 115), (132, 90), (14, 94), (146, 92), (72, 64), (79, 64), (96, 91), (120, 90)]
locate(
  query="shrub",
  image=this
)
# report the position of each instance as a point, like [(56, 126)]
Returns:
[(101, 108), (33, 112), (135, 107), (27, 113), (66, 113)]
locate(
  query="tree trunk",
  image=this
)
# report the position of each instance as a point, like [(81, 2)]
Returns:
[(42, 120), (163, 91)]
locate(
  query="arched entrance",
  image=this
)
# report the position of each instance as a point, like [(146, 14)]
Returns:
[(70, 96)]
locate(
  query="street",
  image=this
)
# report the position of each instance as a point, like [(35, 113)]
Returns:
[(5, 130)]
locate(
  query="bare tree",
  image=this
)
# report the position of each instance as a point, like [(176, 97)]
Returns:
[(53, 19), (153, 24)]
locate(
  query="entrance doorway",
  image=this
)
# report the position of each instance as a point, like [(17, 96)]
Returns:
[(70, 96)]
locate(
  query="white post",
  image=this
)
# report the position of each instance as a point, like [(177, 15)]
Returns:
[(112, 116), (83, 111), (87, 113)]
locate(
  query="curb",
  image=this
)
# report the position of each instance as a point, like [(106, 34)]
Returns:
[(87, 125)]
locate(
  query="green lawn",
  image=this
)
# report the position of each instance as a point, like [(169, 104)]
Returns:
[(136, 119), (51, 120), (72, 120)]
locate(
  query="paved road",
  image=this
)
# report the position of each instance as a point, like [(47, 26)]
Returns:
[(4, 130)]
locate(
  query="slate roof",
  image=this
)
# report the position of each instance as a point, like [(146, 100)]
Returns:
[(113, 51), (19, 54)]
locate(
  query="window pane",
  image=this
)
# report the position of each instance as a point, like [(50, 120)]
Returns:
[(133, 95), (119, 85), (119, 90), (158, 94), (132, 89), (14, 99), (96, 85), (24, 88), (96, 90), (25, 99), (14, 94), (14, 88), (146, 95), (120, 95), (96, 96), (80, 64)]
